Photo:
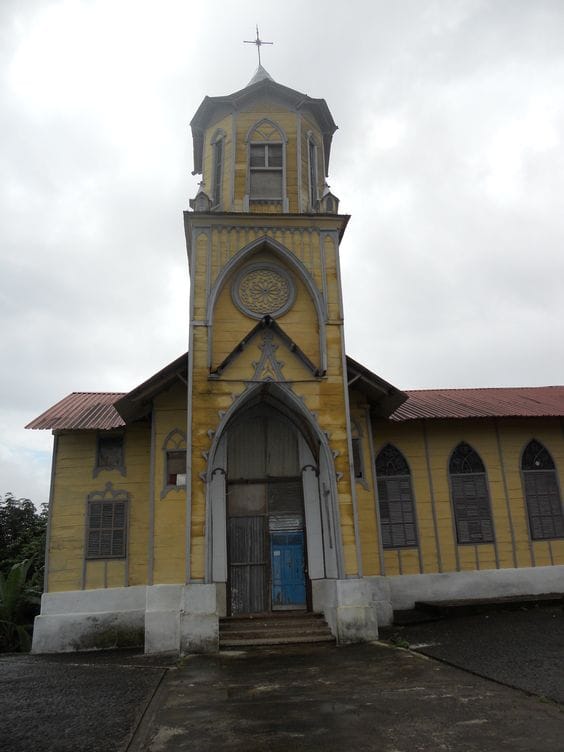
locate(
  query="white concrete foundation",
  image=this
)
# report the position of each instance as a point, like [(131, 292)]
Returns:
[(163, 618), (90, 620), (348, 608), (402, 591), (181, 619), (185, 618)]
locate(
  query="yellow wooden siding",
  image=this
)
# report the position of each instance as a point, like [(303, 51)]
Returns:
[(309, 124), (369, 539), (325, 397), (515, 435), (512, 546), (226, 242), (230, 325), (170, 510), (333, 292), (284, 119), (74, 466), (235, 158), (225, 125), (410, 444)]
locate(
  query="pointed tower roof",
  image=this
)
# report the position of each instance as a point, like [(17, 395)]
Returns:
[(260, 75)]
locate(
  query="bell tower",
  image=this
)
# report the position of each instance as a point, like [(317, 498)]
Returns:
[(269, 435)]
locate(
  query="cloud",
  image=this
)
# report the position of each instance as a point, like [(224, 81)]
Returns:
[(449, 156)]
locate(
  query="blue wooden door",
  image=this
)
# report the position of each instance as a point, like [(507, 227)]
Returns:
[(288, 575)]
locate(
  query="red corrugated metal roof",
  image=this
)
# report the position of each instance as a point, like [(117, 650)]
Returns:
[(82, 410), (499, 402), (95, 410)]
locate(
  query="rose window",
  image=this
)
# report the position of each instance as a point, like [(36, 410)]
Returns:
[(263, 290)]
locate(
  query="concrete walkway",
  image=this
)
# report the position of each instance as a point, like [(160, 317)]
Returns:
[(364, 697), (369, 697)]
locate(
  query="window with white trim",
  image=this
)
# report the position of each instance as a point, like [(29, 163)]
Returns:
[(174, 461), (266, 171), (176, 468)]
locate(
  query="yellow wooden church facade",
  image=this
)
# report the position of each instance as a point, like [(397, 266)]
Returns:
[(265, 470)]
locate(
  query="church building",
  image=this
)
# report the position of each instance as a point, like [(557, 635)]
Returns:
[(264, 473)]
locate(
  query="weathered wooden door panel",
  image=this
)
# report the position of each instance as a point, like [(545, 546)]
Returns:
[(248, 565), (288, 575)]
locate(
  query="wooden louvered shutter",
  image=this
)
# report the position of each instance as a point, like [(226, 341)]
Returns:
[(543, 504), (471, 505), (107, 523), (397, 513)]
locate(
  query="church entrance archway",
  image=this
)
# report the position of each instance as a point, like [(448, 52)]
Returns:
[(272, 517), (266, 531)]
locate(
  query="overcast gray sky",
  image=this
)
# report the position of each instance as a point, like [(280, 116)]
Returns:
[(449, 156)]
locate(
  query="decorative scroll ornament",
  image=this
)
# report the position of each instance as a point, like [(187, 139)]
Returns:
[(268, 368), (263, 289)]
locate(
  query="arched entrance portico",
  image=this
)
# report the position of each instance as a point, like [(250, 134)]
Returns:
[(266, 564), (272, 523)]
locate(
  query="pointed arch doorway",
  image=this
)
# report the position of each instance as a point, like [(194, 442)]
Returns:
[(272, 528), (266, 540)]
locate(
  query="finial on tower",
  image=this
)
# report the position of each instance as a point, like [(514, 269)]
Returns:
[(258, 42)]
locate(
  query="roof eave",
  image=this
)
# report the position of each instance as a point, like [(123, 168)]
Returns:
[(384, 398), (137, 403)]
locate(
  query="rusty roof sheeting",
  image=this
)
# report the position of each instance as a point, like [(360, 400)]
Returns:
[(82, 410), (495, 402)]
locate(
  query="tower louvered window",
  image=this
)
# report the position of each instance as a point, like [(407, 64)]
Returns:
[(107, 529), (266, 171), (395, 499), (470, 497), (542, 495), (266, 177), (312, 154), (217, 172)]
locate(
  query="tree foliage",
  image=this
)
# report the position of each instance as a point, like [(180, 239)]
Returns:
[(22, 536), (22, 562), (18, 605)]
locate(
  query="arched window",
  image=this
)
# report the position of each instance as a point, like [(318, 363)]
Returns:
[(174, 461), (470, 497), (542, 495), (395, 499), (266, 163)]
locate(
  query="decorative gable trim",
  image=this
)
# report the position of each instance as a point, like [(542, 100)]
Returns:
[(267, 323)]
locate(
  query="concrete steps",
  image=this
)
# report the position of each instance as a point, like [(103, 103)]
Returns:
[(278, 628)]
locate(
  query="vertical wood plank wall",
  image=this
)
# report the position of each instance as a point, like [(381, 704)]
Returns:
[(439, 550), (73, 482)]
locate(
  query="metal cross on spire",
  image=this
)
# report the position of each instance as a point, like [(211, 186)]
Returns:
[(258, 41)]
